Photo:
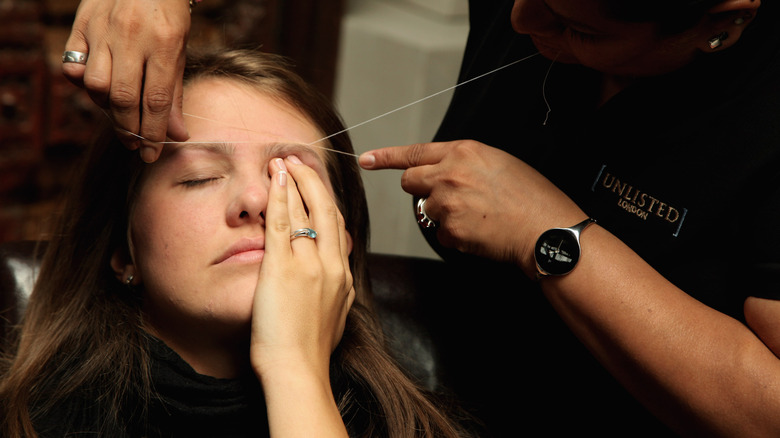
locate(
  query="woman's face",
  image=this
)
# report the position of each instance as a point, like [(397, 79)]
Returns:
[(198, 225), (580, 32)]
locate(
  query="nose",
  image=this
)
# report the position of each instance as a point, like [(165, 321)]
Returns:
[(249, 202), (534, 17)]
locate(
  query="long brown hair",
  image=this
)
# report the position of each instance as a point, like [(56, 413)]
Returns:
[(82, 328)]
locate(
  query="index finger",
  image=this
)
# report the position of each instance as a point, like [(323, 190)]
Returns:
[(277, 230), (402, 157)]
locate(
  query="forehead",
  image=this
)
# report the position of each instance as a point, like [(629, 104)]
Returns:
[(226, 110)]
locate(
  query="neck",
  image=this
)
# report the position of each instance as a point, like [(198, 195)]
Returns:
[(612, 85), (217, 362), (222, 358)]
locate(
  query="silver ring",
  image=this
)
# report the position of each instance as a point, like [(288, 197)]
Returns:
[(73, 56), (423, 218), (303, 232)]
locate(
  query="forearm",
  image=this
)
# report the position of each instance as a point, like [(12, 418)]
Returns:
[(696, 368), (301, 405)]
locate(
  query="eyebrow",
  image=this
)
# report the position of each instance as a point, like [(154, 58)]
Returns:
[(279, 149), (274, 149)]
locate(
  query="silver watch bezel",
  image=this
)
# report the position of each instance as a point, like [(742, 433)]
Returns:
[(574, 232)]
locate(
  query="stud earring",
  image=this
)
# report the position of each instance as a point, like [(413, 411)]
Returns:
[(129, 279), (717, 40)]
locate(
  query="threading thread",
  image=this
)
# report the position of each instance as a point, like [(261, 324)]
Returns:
[(544, 90), (314, 143)]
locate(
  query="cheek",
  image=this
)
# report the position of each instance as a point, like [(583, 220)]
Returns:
[(613, 62), (637, 56), (167, 237)]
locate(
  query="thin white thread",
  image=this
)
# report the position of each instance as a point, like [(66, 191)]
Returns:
[(233, 142), (544, 90), (426, 98), (346, 129)]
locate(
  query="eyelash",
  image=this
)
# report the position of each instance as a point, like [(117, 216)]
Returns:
[(198, 182)]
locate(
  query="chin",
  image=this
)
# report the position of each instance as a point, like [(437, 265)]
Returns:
[(233, 300)]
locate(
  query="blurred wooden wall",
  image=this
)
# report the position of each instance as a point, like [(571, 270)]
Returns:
[(45, 122)]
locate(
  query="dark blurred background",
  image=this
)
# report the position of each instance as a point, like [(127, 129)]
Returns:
[(46, 122)]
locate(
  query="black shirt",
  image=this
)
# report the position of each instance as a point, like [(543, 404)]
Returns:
[(184, 404), (684, 168)]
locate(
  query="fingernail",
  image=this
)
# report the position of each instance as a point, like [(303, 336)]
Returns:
[(279, 162), (282, 175), (147, 154), (367, 160), (295, 159)]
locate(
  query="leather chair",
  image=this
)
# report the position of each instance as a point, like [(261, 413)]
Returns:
[(18, 271), (404, 288)]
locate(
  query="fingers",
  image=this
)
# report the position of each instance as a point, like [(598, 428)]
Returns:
[(96, 78), (162, 97), (124, 94), (74, 72), (177, 130), (299, 219), (403, 157), (419, 160), (307, 203), (277, 218), (78, 41), (135, 66), (324, 217), (334, 243), (144, 88), (300, 278)]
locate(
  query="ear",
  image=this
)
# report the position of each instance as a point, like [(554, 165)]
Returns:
[(725, 23), (124, 269)]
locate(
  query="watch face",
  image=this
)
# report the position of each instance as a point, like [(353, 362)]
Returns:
[(557, 251)]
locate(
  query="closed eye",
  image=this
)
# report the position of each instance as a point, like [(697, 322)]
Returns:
[(198, 182)]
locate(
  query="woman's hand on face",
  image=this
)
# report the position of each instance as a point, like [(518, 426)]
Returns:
[(305, 289), (134, 67), (486, 202)]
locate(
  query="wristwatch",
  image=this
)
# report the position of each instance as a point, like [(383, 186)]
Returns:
[(558, 249)]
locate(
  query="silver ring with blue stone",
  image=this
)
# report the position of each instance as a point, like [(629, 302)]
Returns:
[(303, 232)]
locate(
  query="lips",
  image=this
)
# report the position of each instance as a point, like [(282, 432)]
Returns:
[(245, 250)]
